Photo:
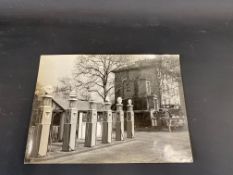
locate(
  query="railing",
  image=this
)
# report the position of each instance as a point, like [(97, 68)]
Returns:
[(88, 125)]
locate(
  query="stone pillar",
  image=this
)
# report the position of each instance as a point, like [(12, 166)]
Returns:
[(119, 120), (80, 122), (153, 118), (156, 103), (43, 125), (69, 135), (90, 135), (61, 129), (107, 124), (130, 120)]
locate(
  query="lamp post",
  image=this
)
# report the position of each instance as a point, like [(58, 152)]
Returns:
[(107, 123), (69, 135), (130, 119), (91, 124), (43, 125), (119, 120)]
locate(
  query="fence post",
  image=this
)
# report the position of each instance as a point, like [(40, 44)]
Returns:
[(156, 103), (90, 135), (107, 123), (130, 119), (80, 121), (69, 135), (61, 129), (119, 120), (43, 125)]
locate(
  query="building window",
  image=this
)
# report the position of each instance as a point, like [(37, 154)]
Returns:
[(128, 89), (148, 88)]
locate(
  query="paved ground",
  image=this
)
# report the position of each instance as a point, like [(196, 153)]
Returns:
[(147, 147)]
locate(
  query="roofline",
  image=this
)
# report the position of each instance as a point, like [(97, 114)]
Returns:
[(58, 104), (133, 68)]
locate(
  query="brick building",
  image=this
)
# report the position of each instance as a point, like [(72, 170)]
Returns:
[(139, 83), (151, 84)]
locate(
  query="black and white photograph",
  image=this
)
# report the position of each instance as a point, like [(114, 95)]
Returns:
[(108, 109), (116, 87)]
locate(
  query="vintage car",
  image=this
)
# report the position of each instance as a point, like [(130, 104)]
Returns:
[(175, 122), (170, 118)]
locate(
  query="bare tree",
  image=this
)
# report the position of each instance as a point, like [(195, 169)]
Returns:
[(93, 73), (167, 68)]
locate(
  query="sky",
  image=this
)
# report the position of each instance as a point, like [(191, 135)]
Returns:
[(54, 67)]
